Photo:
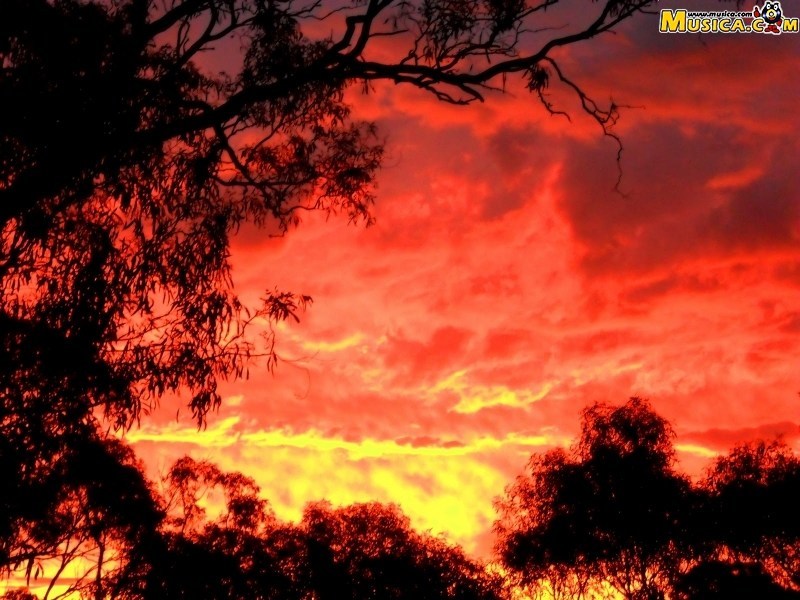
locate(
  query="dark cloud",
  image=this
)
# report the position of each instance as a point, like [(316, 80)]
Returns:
[(762, 215), (668, 214), (724, 439), (664, 287)]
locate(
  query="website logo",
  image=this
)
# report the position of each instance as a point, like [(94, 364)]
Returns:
[(767, 19)]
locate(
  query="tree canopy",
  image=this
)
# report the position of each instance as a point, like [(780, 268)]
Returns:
[(750, 508), (610, 509), (614, 511)]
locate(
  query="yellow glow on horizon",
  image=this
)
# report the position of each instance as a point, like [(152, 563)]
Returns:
[(444, 485), (697, 450), (224, 434)]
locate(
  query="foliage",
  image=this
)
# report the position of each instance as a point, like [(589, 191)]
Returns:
[(751, 509), (611, 508), (357, 552), (715, 580), (609, 512), (84, 511), (370, 551)]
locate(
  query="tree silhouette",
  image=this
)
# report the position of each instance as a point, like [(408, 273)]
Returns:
[(218, 539), (370, 551), (611, 509), (751, 509), (356, 552), (714, 580), (238, 552), (81, 515), (18, 595), (189, 481)]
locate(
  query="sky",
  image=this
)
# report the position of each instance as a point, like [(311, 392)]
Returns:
[(506, 285)]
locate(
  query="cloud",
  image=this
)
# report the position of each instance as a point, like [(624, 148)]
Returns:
[(474, 398), (231, 431), (721, 440)]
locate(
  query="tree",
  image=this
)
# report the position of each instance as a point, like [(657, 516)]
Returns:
[(750, 511), (219, 540), (611, 509), (81, 518), (717, 580), (356, 552), (18, 595), (371, 551)]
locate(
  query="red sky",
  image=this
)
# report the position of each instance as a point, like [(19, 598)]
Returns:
[(505, 286)]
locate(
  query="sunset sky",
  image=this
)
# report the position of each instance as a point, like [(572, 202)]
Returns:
[(506, 285)]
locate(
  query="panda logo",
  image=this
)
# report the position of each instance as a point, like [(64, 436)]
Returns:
[(771, 14)]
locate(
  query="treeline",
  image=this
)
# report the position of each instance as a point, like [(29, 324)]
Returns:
[(613, 512), (209, 535), (610, 515)]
